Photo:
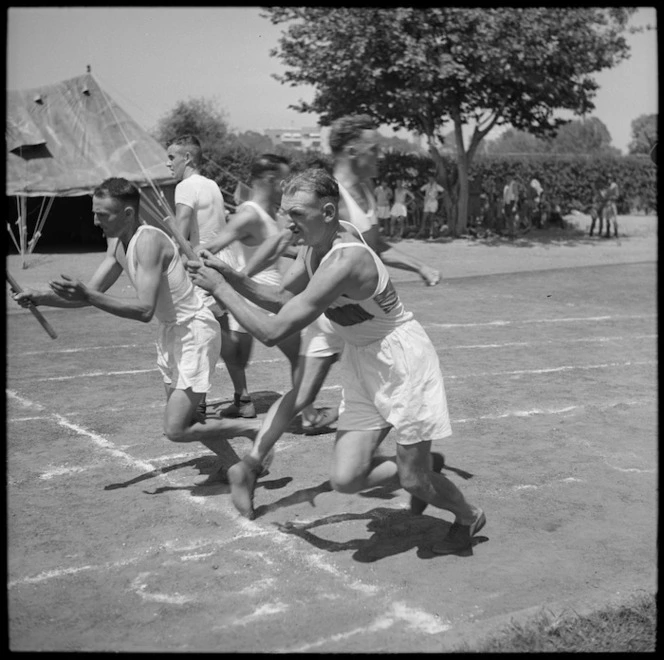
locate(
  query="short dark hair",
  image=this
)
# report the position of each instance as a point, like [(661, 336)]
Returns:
[(267, 163), (348, 128), (121, 189), (314, 180), (192, 144)]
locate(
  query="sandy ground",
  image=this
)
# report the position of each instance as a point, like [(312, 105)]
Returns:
[(548, 249), (112, 549)]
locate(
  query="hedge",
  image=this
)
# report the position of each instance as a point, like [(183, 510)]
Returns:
[(569, 181)]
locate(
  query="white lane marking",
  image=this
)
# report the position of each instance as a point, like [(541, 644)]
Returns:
[(129, 372), (582, 319), (106, 374), (552, 411), (139, 585), (220, 365), (247, 528), (60, 572), (258, 587), (65, 469), (26, 403), (591, 340), (83, 349), (96, 374), (267, 609), (400, 612), (197, 556), (549, 370)]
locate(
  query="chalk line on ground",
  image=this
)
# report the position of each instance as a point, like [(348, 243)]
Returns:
[(575, 319)]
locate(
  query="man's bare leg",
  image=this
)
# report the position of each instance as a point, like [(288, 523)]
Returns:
[(242, 476), (354, 466), (394, 257), (212, 433), (418, 478)]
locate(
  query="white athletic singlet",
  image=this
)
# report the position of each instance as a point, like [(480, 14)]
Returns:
[(361, 219), (361, 322), (177, 301), (271, 274)]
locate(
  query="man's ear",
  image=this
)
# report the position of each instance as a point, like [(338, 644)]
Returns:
[(329, 211)]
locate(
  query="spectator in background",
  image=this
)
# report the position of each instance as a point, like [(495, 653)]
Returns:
[(432, 191), (383, 195), (534, 195), (399, 211), (509, 207)]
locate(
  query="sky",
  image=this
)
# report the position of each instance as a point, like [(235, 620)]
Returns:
[(150, 58)]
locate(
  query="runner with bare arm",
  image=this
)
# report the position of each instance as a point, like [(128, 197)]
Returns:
[(390, 370)]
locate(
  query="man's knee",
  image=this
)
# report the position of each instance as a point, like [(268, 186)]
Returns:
[(346, 482), (415, 483), (176, 431)]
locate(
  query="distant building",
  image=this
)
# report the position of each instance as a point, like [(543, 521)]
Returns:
[(307, 137)]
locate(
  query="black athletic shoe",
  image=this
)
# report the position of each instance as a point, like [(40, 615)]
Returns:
[(418, 505), (459, 538), (239, 408)]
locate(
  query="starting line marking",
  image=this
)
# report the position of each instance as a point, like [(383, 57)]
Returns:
[(287, 544), (577, 319)]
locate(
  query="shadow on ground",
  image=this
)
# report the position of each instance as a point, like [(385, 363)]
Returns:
[(570, 235), (393, 532), (262, 399)]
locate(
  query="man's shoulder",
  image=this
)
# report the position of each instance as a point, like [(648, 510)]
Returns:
[(151, 238)]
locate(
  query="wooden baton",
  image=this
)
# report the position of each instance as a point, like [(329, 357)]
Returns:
[(175, 234), (35, 312)]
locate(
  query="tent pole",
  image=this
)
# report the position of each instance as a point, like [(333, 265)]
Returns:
[(23, 229)]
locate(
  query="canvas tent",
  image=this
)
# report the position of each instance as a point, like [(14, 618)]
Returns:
[(66, 138)]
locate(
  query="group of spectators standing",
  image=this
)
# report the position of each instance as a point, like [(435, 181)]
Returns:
[(400, 212)]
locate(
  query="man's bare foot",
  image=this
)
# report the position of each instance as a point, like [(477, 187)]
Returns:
[(242, 477)]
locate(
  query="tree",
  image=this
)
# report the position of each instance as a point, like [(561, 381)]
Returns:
[(517, 142), (580, 136), (644, 134), (421, 69), (256, 141), (226, 159), (585, 136)]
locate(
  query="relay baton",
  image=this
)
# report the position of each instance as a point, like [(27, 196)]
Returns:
[(35, 312), (166, 225)]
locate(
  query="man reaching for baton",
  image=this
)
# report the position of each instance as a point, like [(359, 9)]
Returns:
[(189, 338)]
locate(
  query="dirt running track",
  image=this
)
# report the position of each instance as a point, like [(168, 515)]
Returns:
[(549, 349)]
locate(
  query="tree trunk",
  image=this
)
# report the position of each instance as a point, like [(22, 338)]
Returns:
[(448, 181), (462, 206)]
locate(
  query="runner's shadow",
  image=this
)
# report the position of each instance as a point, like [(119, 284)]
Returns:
[(394, 531), (204, 464), (298, 497)]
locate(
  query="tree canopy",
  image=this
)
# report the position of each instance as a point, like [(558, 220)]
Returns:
[(421, 69), (644, 134), (579, 136)]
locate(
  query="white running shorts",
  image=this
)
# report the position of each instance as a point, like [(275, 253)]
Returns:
[(395, 382), (187, 353), (320, 340)]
